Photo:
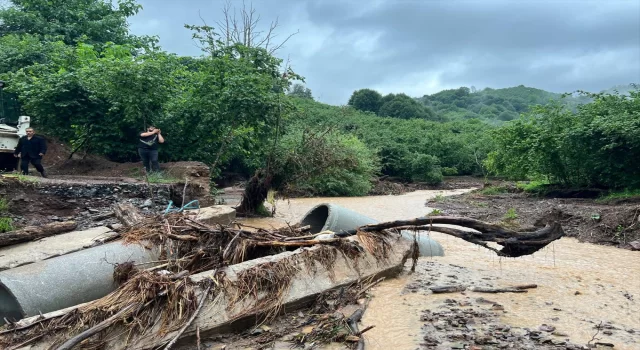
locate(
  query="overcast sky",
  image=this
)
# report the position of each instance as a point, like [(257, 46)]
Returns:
[(423, 46)]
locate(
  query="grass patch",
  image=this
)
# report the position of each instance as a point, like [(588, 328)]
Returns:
[(493, 190), (4, 205), (435, 212), (511, 214), (480, 204), (510, 219), (6, 225), (535, 186), (160, 177), (439, 198), (25, 178), (626, 194)]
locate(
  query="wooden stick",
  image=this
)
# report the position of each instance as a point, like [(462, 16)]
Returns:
[(28, 341), (366, 330), (227, 251), (295, 244), (447, 289), (183, 237), (526, 286), (369, 286), (198, 337), (69, 344), (127, 214), (102, 216), (498, 290), (190, 321)]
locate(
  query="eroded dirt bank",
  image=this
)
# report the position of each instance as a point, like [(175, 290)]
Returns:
[(589, 220)]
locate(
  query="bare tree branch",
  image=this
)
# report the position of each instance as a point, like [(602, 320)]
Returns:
[(241, 25)]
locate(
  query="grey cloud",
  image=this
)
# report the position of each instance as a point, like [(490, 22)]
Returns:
[(421, 47)]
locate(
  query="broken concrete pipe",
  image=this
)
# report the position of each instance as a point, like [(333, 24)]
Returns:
[(226, 311), (66, 280), (334, 218)]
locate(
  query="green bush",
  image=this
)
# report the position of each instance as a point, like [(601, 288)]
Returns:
[(425, 168), (6, 225), (4, 205), (535, 186), (330, 164), (493, 190), (596, 146), (449, 171)]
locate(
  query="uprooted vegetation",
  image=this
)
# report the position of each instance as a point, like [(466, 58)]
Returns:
[(206, 265)]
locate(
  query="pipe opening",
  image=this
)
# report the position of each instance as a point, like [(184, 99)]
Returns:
[(316, 218), (9, 306)]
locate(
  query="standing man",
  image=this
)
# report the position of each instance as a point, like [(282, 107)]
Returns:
[(31, 148), (148, 148)]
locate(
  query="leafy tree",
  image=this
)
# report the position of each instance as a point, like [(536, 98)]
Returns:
[(404, 107), (73, 21), (97, 100), (325, 163), (425, 168), (366, 100), (595, 146), (300, 91)]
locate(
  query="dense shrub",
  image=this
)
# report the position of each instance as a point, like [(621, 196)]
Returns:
[(596, 146), (425, 168), (328, 164)]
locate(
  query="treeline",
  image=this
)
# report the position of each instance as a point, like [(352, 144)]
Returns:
[(595, 146), (492, 105), (410, 149)]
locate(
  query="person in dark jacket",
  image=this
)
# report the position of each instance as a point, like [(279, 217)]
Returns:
[(148, 148), (31, 148)]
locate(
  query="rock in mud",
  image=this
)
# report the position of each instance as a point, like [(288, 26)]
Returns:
[(216, 214), (547, 328)]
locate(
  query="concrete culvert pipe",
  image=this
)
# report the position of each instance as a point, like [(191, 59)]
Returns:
[(332, 217), (65, 281)]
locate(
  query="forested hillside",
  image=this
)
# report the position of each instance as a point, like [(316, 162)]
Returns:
[(492, 105)]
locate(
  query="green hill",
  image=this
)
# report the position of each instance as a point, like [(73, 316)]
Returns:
[(492, 104)]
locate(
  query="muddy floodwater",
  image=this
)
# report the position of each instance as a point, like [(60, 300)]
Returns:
[(580, 285)]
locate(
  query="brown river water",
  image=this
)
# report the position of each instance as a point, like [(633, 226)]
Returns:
[(586, 284)]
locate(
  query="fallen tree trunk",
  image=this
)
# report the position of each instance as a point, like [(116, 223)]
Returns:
[(31, 233), (514, 244), (127, 214)]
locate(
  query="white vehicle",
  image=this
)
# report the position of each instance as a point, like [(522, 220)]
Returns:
[(9, 137)]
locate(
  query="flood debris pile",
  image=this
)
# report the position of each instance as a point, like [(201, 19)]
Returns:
[(153, 302), (212, 278)]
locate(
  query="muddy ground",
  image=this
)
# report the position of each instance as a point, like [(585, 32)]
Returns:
[(589, 220)]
